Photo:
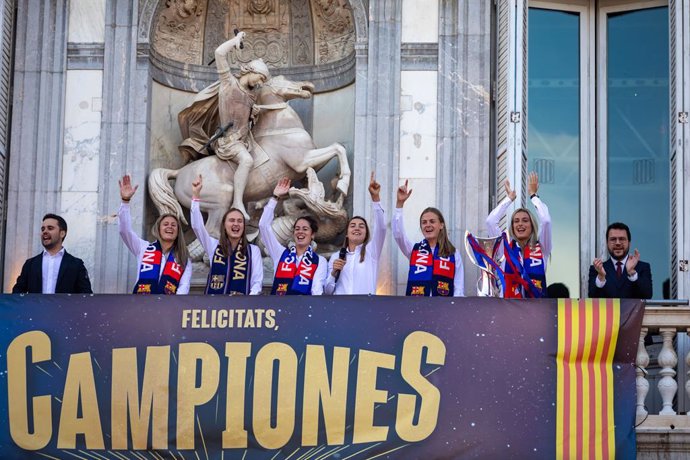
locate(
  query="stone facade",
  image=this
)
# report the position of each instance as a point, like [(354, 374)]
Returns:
[(96, 97)]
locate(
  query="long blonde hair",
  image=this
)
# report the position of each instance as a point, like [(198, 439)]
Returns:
[(445, 247), (180, 247), (534, 237)]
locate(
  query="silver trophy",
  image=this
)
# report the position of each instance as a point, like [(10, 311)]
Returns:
[(485, 254)]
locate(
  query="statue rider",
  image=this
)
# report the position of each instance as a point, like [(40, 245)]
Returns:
[(236, 98)]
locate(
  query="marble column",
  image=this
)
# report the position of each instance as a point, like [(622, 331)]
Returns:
[(377, 120), (35, 165), (124, 143), (463, 157)]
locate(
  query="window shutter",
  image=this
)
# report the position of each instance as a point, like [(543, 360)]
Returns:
[(511, 97)]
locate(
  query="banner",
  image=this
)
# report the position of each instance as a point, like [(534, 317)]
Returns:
[(214, 377)]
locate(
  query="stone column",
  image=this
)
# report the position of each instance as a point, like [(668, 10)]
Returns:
[(464, 95), (377, 115), (35, 164), (124, 145)]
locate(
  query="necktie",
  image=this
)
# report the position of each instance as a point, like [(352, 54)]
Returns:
[(619, 269)]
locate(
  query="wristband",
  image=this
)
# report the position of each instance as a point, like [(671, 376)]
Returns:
[(533, 195)]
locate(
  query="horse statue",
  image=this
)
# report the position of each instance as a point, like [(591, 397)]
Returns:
[(281, 147)]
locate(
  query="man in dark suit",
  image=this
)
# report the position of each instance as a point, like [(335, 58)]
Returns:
[(623, 275), (54, 270)]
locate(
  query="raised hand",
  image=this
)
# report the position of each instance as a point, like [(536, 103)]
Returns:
[(402, 195), (374, 188), (126, 189), (509, 191), (599, 267), (631, 263), (532, 183), (282, 187), (196, 187)]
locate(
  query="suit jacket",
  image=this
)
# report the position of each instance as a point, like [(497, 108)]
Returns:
[(622, 287), (72, 276)]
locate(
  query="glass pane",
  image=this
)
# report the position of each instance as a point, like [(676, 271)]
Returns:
[(554, 133), (638, 138)]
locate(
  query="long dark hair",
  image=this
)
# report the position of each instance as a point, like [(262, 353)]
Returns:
[(224, 241), (445, 247), (180, 247), (346, 244)]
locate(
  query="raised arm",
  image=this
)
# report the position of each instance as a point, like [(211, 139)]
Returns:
[(207, 241), (495, 216), (131, 239), (543, 214), (397, 225), (223, 50), (273, 246), (378, 231)]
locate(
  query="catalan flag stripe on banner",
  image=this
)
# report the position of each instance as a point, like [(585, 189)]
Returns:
[(587, 335)]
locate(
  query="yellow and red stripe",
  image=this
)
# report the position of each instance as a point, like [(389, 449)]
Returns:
[(587, 336)]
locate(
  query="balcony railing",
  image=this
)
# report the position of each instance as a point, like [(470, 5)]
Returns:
[(663, 432)]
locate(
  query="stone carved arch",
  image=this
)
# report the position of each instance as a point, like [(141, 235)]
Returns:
[(316, 58)]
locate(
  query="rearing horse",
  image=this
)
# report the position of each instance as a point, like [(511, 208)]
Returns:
[(281, 148)]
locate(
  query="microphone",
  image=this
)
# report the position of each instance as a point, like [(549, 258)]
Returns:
[(341, 256)]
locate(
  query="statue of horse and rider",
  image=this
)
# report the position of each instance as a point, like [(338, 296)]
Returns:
[(278, 142)]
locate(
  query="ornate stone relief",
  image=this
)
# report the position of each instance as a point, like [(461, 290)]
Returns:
[(179, 30), (286, 34)]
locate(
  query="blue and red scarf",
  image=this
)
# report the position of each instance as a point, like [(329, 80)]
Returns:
[(229, 275), (430, 275), (149, 282), (525, 274), (294, 279)]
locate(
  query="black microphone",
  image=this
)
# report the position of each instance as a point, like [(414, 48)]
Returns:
[(341, 256)]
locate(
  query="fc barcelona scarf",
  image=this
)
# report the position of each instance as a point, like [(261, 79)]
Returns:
[(294, 279), (525, 275), (430, 275), (149, 282), (235, 268)]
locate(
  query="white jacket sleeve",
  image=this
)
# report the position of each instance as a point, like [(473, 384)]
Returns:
[(273, 246), (378, 231), (399, 234), (257, 275), (131, 239), (495, 216), (544, 227), (319, 277), (207, 241), (186, 280), (459, 279)]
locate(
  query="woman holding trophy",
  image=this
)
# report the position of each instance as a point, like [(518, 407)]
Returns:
[(530, 243), (435, 265)]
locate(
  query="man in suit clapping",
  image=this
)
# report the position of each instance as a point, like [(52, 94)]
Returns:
[(623, 275)]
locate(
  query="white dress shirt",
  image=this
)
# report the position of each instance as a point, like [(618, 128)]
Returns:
[(50, 268), (406, 247), (256, 277), (360, 277), (137, 246), (275, 249)]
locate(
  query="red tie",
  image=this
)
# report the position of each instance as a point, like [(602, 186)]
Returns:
[(619, 269)]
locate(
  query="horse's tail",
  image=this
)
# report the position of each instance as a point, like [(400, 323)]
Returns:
[(162, 193)]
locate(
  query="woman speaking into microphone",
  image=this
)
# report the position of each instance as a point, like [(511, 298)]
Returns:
[(355, 268)]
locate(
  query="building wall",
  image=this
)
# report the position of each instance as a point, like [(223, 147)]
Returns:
[(85, 109)]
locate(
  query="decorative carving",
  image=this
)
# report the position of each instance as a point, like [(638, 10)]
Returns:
[(302, 33), (180, 29), (334, 27), (641, 382), (667, 360)]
